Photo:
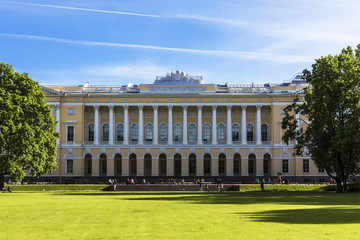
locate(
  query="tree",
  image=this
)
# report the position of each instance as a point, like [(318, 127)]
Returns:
[(331, 104), (27, 129)]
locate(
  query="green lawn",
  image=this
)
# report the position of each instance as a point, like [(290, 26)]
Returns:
[(150, 215)]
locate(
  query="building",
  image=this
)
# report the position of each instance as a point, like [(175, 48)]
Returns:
[(177, 127)]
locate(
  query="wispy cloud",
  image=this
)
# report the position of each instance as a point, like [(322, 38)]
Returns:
[(138, 72), (242, 55), (85, 9)]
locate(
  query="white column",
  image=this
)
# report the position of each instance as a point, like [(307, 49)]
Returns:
[(258, 125), (96, 125), (199, 126), (185, 138), (111, 125), (228, 126), (156, 126), (141, 125), (243, 125), (214, 127), (170, 127), (57, 128), (297, 124), (126, 125)]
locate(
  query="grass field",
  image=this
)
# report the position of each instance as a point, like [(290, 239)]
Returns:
[(154, 215)]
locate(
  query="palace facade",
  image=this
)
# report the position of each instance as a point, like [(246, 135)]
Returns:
[(177, 127)]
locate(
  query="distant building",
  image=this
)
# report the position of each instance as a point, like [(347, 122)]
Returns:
[(177, 127)]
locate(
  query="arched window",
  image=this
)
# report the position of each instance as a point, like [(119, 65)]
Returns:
[(222, 164), (177, 133), (207, 165), (132, 165), (264, 132), (88, 164), (250, 132), (163, 132), (162, 164), (177, 165), (235, 132), (134, 132), (103, 164), (221, 133), (148, 133), (192, 133), (105, 136), (237, 164), (147, 164), (91, 132), (192, 164), (120, 132), (118, 164), (267, 162), (206, 133), (252, 164)]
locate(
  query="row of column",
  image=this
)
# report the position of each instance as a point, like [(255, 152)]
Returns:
[(170, 125)]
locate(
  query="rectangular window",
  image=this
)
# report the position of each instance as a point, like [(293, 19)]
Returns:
[(306, 165), (285, 165), (70, 133), (321, 170), (69, 166)]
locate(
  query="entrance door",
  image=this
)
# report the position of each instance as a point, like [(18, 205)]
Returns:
[(177, 165)]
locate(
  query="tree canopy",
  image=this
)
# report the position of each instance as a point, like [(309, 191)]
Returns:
[(331, 105), (27, 129)]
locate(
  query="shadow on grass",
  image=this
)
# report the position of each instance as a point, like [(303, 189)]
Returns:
[(296, 198), (308, 216)]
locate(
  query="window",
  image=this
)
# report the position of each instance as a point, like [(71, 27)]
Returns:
[(221, 133), (192, 133), (235, 132), (222, 164), (103, 164), (70, 111), (306, 165), (105, 132), (285, 165), (282, 112), (252, 162), (192, 164), (69, 166), (321, 170), (249, 132), (163, 132), (147, 165), (177, 133), (264, 132), (91, 132), (162, 163), (134, 132), (88, 164), (118, 164), (148, 133), (120, 133), (266, 166), (70, 133), (207, 164), (132, 164), (206, 133), (237, 162), (177, 165)]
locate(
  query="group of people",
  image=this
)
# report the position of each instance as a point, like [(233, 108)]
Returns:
[(134, 181), (8, 189)]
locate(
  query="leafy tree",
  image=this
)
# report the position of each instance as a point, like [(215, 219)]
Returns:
[(331, 103), (27, 129)]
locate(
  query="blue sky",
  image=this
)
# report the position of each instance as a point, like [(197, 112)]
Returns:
[(117, 42)]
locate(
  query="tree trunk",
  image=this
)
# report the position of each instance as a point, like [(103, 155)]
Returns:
[(2, 181)]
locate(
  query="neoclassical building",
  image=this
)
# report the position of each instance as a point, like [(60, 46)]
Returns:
[(177, 127)]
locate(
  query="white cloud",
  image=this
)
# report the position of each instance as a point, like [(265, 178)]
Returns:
[(85, 9), (137, 72)]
